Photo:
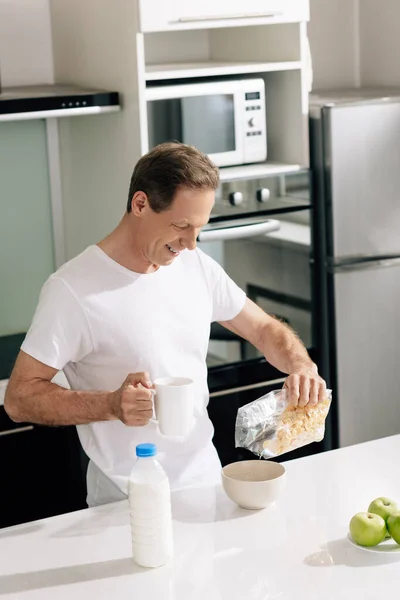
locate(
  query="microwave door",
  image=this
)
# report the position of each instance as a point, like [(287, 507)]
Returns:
[(164, 121), (212, 124)]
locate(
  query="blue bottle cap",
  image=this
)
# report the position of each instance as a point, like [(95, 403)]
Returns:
[(146, 450)]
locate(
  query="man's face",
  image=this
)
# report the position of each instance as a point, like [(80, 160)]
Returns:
[(164, 235)]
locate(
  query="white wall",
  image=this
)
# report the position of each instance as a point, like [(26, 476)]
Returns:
[(355, 42), (333, 34), (380, 42), (25, 42)]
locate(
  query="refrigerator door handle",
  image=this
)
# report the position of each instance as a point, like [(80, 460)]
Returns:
[(368, 265), (239, 232)]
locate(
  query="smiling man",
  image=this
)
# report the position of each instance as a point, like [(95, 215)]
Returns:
[(137, 306)]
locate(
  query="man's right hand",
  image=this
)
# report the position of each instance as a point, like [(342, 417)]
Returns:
[(132, 402)]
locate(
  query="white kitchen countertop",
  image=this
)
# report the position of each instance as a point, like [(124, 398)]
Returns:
[(296, 550)]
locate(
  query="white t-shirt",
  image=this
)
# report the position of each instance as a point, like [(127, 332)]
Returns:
[(98, 321)]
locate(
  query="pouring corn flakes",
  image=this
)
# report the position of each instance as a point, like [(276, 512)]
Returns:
[(270, 427)]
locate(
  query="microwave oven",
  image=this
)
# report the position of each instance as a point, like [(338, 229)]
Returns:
[(224, 119)]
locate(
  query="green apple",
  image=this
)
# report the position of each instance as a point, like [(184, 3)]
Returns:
[(393, 524), (383, 507), (368, 529)]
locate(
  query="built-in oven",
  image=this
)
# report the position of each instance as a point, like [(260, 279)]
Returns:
[(260, 231)]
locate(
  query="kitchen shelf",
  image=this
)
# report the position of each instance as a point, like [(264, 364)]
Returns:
[(215, 69), (258, 171)]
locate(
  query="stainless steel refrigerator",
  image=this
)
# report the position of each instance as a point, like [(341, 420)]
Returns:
[(355, 159)]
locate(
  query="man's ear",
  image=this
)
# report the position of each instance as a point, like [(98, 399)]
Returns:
[(139, 204)]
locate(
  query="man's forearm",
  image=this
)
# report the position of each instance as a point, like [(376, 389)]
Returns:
[(47, 403), (283, 349)]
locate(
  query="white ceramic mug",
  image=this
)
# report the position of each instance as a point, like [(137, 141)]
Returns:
[(174, 405)]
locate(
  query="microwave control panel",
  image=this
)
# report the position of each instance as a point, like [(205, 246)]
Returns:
[(255, 129)]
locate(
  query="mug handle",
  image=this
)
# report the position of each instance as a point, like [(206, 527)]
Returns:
[(154, 417)]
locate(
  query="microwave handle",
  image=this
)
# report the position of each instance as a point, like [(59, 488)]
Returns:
[(238, 233), (259, 15)]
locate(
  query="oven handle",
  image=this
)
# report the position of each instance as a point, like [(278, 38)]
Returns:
[(16, 430), (240, 232), (245, 388), (259, 15)]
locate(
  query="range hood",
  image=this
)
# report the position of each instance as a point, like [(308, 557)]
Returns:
[(53, 101)]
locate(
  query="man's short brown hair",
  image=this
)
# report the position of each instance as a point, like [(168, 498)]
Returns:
[(168, 167)]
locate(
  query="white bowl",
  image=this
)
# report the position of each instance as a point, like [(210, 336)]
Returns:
[(253, 484)]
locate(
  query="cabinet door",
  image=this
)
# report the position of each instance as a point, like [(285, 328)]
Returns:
[(42, 472), (181, 14), (367, 331)]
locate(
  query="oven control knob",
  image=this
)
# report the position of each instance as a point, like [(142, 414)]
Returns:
[(235, 198), (263, 194)]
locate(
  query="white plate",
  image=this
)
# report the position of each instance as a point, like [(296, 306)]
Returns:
[(388, 546)]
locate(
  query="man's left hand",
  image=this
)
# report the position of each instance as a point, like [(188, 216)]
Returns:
[(304, 386)]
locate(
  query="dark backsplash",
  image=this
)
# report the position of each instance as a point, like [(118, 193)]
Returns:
[(9, 348)]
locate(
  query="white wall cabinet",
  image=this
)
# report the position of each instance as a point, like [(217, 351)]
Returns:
[(129, 45), (173, 15)]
